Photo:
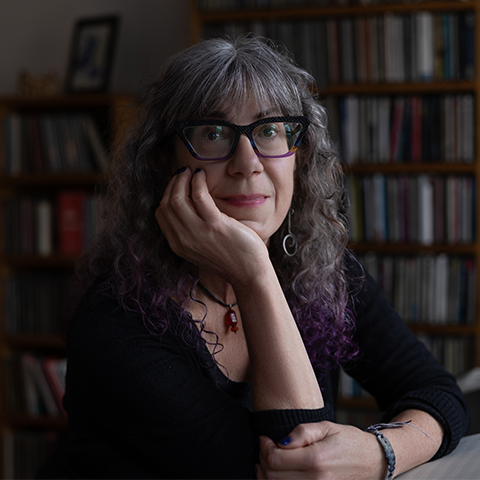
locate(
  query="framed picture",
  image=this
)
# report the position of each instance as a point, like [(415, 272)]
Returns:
[(91, 56)]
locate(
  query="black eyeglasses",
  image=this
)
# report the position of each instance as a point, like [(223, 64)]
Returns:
[(273, 137)]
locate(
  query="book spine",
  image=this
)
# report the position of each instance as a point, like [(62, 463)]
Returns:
[(71, 221)]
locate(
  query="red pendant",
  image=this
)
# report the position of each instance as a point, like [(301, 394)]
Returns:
[(231, 320)]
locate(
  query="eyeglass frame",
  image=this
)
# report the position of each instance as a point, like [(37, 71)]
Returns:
[(238, 131)]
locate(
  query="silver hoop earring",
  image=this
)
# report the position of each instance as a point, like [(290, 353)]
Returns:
[(290, 245)]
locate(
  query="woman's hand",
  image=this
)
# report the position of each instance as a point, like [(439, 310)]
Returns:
[(199, 232), (323, 450), (218, 244)]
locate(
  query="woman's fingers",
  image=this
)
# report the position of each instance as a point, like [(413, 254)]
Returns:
[(275, 459), (201, 198), (176, 205), (199, 232), (188, 200), (323, 450), (306, 434)]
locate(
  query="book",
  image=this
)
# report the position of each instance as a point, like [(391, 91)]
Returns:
[(426, 217), (54, 369), (33, 363), (44, 226), (32, 397), (333, 49), (51, 142), (71, 221)]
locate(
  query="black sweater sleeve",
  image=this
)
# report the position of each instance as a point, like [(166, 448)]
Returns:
[(398, 369)]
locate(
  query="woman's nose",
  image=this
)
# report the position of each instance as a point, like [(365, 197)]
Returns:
[(244, 160)]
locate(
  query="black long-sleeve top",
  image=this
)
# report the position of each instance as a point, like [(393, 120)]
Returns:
[(145, 406)]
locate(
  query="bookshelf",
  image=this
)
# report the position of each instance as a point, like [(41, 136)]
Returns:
[(424, 55), (52, 156)]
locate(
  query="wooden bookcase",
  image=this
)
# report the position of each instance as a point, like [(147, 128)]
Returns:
[(288, 20), (23, 433)]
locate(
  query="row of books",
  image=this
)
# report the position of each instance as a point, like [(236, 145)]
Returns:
[(456, 354), (416, 47), (403, 129), (36, 384), (53, 142), (25, 451), (425, 209), (33, 303), (63, 224), (427, 289)]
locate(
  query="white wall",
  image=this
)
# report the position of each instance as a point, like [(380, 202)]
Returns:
[(35, 35)]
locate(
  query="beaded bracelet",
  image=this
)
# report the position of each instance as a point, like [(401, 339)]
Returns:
[(387, 447)]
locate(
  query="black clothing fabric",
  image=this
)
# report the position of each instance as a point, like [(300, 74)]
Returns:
[(145, 406)]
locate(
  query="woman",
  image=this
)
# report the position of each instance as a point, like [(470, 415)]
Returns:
[(224, 230)]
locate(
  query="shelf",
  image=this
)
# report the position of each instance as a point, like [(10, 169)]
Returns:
[(74, 179), (398, 88), (32, 341), (36, 261), (410, 249), (300, 13), (76, 101), (460, 330), (30, 421), (38, 281), (411, 168)]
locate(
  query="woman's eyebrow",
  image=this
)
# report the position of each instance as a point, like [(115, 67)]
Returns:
[(271, 112), (219, 115)]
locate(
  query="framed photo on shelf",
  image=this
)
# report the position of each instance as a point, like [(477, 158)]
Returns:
[(91, 55)]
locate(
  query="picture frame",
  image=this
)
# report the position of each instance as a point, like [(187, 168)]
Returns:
[(91, 55)]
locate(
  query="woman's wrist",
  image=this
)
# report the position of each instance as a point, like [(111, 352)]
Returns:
[(386, 446)]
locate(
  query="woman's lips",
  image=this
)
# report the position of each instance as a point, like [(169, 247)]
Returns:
[(246, 201)]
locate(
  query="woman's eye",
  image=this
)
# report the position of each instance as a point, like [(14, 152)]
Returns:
[(269, 131), (213, 134)]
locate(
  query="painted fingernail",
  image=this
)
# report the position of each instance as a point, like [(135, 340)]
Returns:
[(197, 170), (180, 170), (285, 441)]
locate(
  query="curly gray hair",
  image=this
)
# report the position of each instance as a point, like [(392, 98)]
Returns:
[(217, 75)]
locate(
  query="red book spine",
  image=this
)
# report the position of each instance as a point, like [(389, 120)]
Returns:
[(416, 129), (71, 220)]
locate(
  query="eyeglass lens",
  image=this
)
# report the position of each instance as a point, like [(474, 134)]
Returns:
[(216, 141)]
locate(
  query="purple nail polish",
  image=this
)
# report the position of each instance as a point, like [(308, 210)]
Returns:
[(285, 441)]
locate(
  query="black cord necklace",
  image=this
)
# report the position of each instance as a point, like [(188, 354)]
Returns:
[(230, 316)]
